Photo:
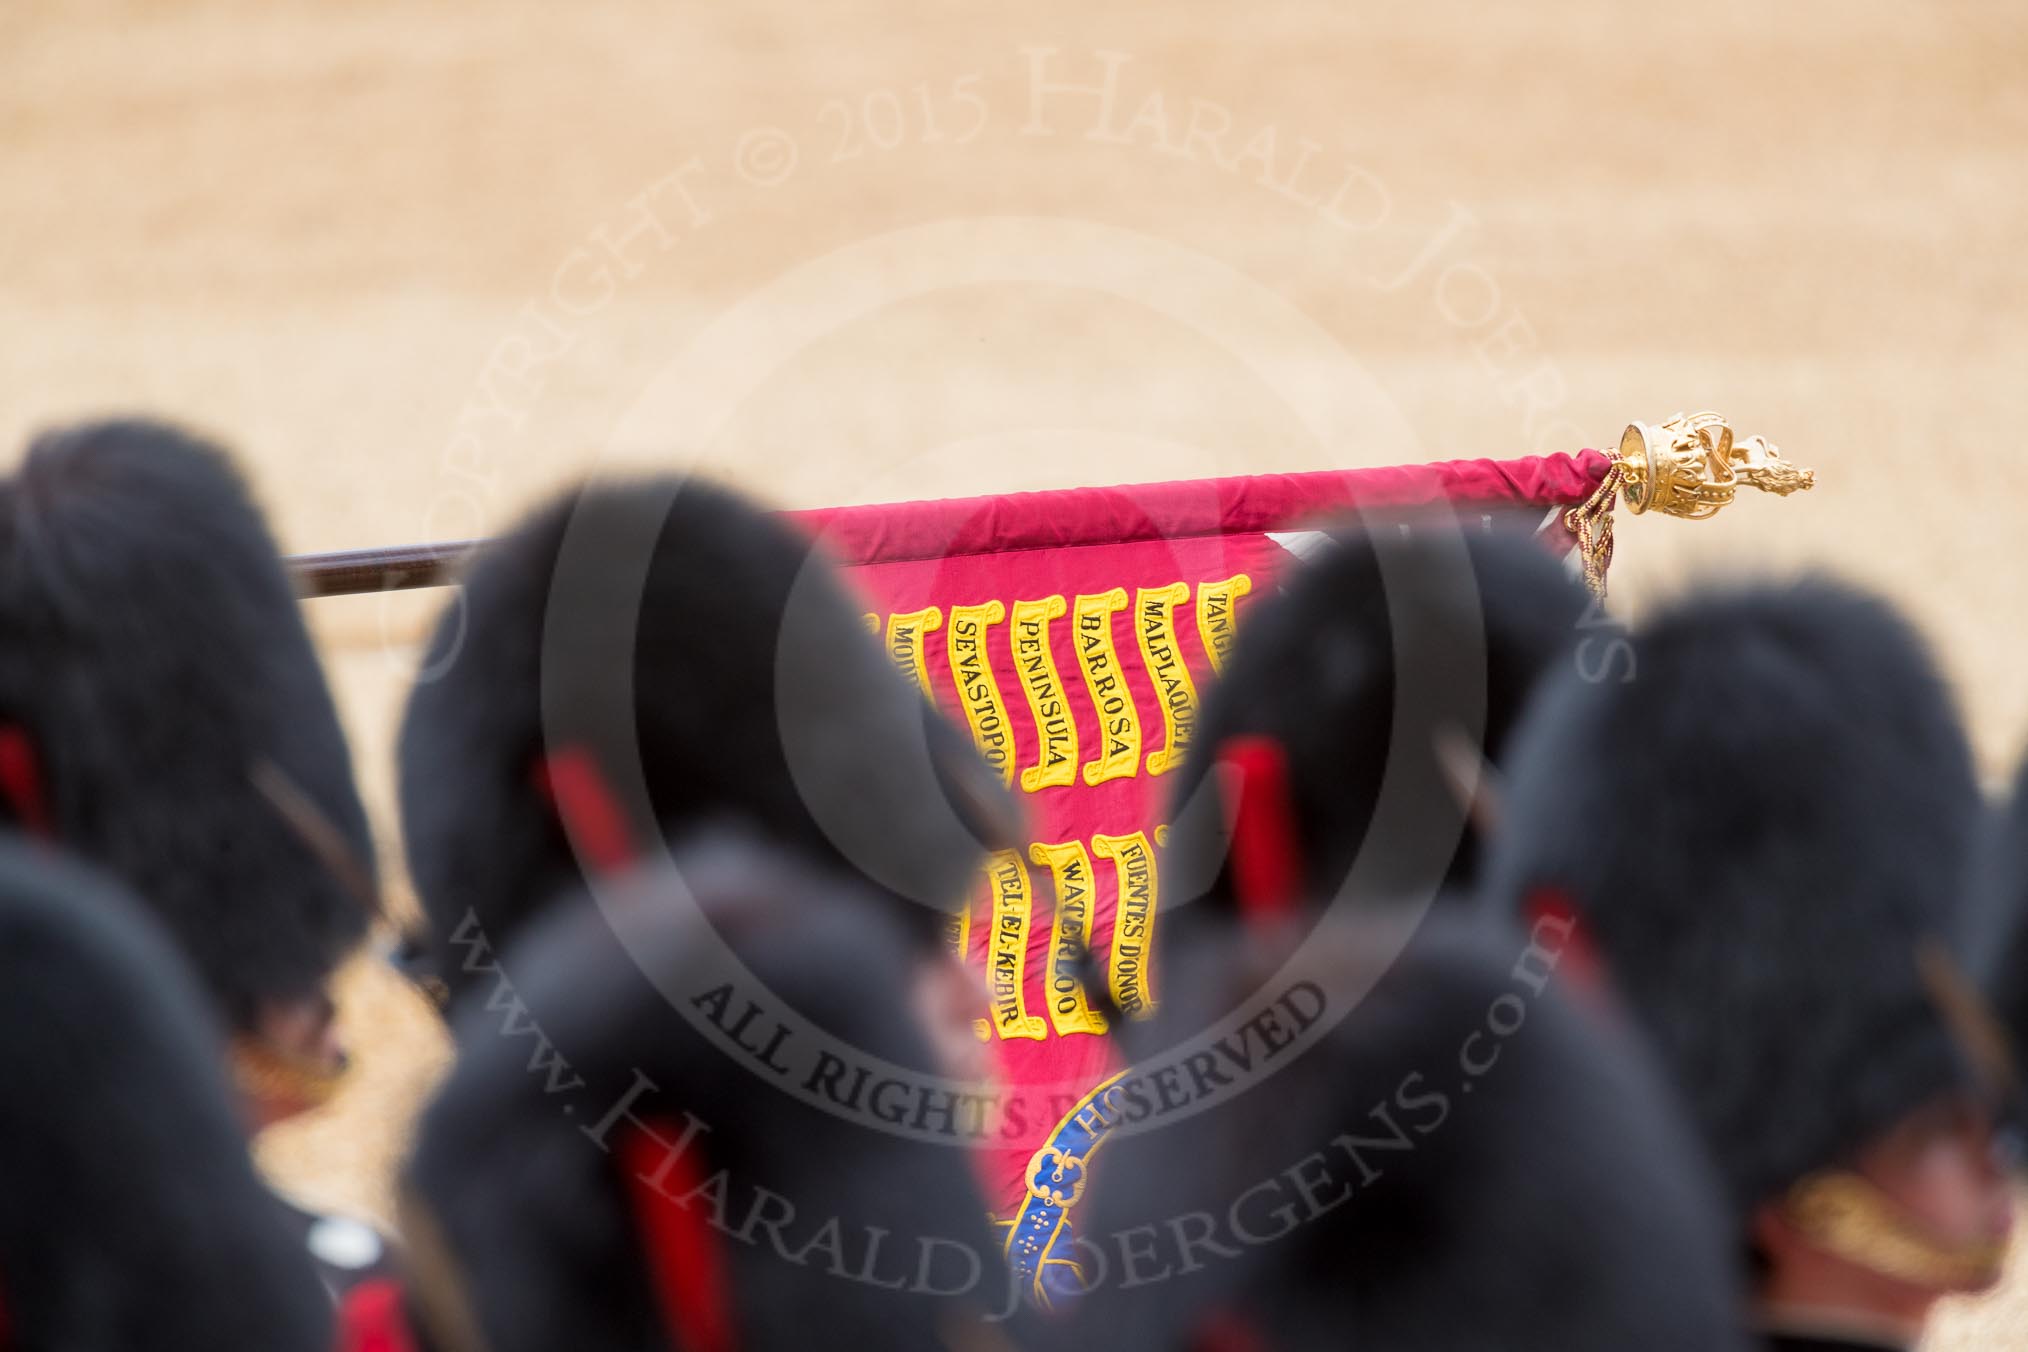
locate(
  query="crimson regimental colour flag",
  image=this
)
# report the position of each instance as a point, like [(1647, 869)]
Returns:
[(1074, 633)]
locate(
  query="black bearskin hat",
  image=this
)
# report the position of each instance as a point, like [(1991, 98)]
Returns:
[(163, 711), (667, 1176), (1760, 824), (704, 659), (1380, 644), (1461, 1158), (130, 1215)]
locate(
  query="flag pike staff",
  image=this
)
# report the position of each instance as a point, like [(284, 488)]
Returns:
[(348, 572), (1690, 466)]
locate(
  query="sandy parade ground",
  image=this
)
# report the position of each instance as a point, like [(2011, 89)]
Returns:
[(421, 262)]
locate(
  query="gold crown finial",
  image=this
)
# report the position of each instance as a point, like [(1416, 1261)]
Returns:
[(1690, 466)]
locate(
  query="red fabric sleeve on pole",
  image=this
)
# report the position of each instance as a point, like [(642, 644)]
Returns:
[(1072, 517)]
